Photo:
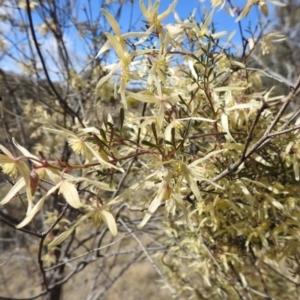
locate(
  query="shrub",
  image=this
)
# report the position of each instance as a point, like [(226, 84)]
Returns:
[(211, 147)]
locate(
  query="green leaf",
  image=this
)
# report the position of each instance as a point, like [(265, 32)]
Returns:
[(168, 143), (122, 116), (103, 134), (173, 136), (149, 144), (154, 131)]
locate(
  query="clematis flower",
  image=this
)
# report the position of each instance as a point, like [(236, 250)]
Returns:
[(170, 191), (97, 214), (215, 3), (70, 194), (160, 62), (159, 100), (49, 259), (203, 29), (64, 187), (29, 179), (125, 60), (162, 194), (262, 6), (151, 14), (120, 47), (268, 40), (116, 29), (80, 146), (13, 166)]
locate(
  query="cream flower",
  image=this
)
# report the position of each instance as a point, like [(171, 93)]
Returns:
[(13, 166), (120, 37), (97, 214), (151, 14)]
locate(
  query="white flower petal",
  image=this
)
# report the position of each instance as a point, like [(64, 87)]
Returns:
[(109, 220), (13, 191)]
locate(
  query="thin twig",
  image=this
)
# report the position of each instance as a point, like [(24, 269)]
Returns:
[(282, 275), (266, 136), (174, 294), (87, 253), (19, 229), (259, 112)]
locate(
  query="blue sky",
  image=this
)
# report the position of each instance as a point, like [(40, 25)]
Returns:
[(222, 20), (184, 8)]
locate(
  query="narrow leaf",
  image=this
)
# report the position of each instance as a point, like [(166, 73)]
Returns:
[(122, 117)]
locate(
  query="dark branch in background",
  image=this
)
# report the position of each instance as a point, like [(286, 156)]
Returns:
[(12, 222), (62, 101), (243, 39), (15, 107), (5, 126), (44, 235)]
